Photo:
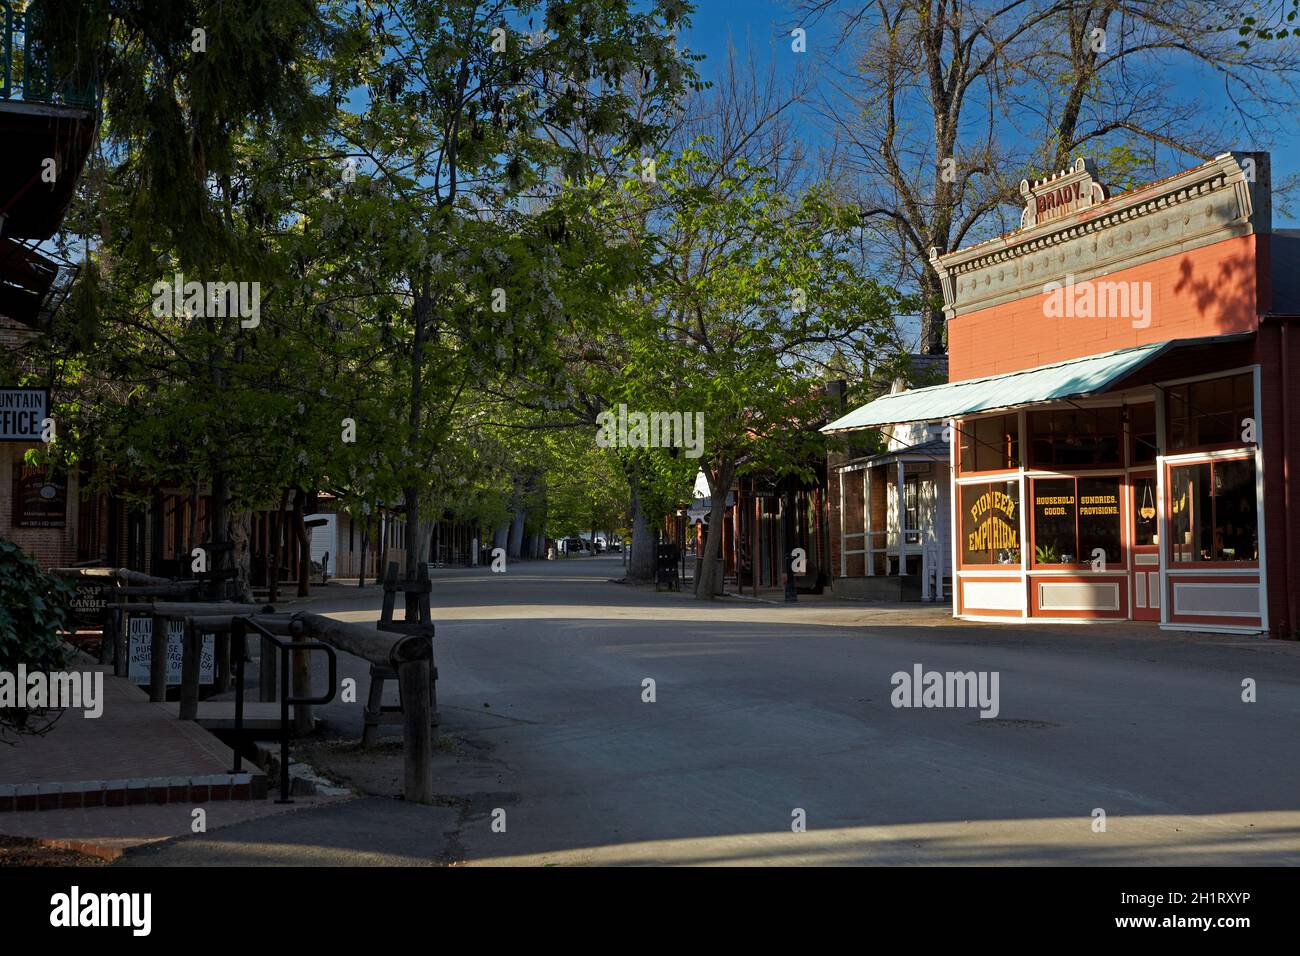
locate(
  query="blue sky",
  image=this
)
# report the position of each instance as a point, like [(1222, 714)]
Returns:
[(765, 24)]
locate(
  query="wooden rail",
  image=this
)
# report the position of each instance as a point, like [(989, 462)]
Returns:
[(410, 655)]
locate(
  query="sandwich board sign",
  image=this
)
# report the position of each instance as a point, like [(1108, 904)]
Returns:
[(140, 637)]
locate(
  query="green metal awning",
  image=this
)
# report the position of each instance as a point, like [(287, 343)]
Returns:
[(1076, 378)]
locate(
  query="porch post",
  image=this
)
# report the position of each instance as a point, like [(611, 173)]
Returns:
[(902, 524), (866, 521)]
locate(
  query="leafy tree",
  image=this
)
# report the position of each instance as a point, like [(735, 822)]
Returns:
[(751, 291)]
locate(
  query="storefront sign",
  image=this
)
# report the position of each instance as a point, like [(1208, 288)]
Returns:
[(140, 635), (994, 523), (40, 497), (1054, 506), (89, 604), (22, 410), (1099, 505), (1060, 194)]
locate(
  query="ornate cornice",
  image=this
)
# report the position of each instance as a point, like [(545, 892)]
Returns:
[(1226, 197)]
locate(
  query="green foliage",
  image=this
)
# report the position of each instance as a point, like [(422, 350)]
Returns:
[(34, 607), (749, 293)]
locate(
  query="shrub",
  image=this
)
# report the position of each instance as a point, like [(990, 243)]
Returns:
[(34, 607)]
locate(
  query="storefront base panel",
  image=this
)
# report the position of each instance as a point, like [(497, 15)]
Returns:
[(1215, 629), (1058, 597)]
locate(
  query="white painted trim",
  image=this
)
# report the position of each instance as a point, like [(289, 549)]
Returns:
[(954, 503), (1178, 571), (1191, 458), (1163, 551), (1259, 499)]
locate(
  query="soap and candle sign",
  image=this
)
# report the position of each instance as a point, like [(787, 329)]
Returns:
[(90, 602), (140, 636)]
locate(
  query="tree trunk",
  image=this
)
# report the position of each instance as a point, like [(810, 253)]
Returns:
[(303, 542), (365, 541), (273, 560), (641, 557), (933, 324), (239, 533), (708, 569)]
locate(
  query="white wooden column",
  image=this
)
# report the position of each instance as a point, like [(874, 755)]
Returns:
[(866, 521), (902, 522)]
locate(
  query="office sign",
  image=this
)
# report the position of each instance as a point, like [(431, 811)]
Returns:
[(22, 411)]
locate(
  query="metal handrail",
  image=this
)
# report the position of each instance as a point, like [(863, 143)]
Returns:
[(238, 631)]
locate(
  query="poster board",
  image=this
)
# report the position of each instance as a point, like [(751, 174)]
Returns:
[(140, 643)]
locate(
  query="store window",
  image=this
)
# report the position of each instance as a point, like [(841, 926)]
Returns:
[(1210, 413), (1077, 521), (990, 444), (1142, 429), (1076, 438), (990, 523), (1213, 511), (1144, 512)]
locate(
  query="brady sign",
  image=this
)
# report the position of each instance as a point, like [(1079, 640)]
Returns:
[(22, 410), (1061, 194)]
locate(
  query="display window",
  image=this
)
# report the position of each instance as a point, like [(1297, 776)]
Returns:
[(1142, 433), (1070, 438), (990, 524), (989, 444), (1077, 523), (1214, 413), (1213, 512)]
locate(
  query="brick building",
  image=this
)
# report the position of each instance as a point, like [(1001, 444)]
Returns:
[(1124, 420), (47, 125)]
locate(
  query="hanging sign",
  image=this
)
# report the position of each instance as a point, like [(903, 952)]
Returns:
[(90, 603), (40, 497), (22, 412)]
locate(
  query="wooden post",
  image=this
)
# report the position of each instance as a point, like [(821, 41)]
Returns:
[(158, 660), (121, 640), (267, 672), (302, 713), (108, 638), (191, 655), (221, 648), (417, 735)]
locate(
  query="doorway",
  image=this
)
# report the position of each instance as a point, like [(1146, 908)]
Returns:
[(1145, 547)]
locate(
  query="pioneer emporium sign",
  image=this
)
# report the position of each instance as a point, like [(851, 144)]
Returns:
[(1060, 194), (22, 412), (993, 525)]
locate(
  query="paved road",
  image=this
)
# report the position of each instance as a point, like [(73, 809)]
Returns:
[(764, 710)]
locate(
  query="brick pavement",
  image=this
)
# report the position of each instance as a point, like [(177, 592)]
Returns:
[(135, 752)]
